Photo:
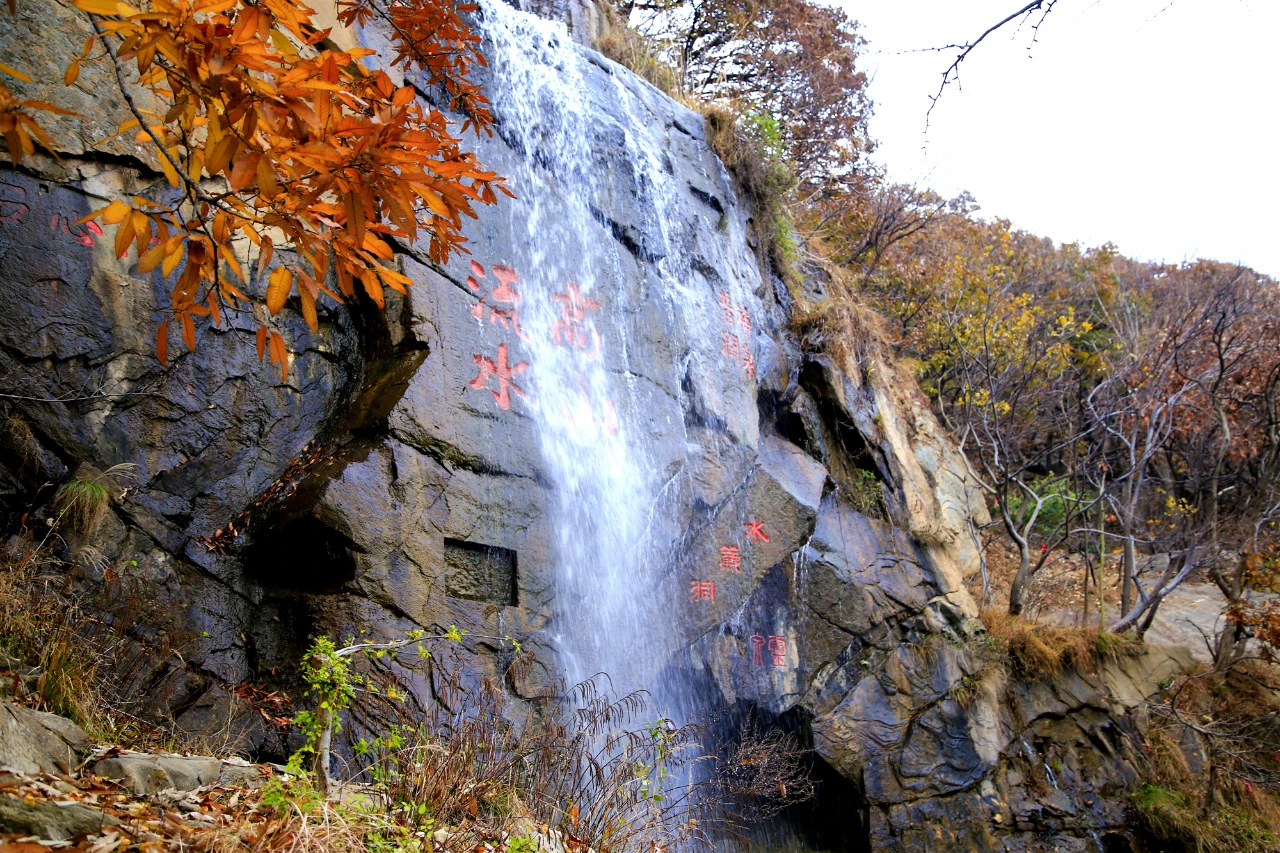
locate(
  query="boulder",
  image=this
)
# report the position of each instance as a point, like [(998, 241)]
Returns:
[(51, 821), (147, 774), (38, 742)]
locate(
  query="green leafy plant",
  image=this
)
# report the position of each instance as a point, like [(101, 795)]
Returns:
[(332, 684), (521, 844), (287, 796), (865, 493), (1059, 502)]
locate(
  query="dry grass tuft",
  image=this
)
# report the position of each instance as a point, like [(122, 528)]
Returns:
[(1044, 649), (36, 631), (80, 506), (60, 659), (81, 503), (633, 51)]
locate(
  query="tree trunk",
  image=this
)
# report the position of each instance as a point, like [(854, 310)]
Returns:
[(1225, 654), (1167, 583), (1084, 605), (321, 767), (1130, 568), (1020, 579)]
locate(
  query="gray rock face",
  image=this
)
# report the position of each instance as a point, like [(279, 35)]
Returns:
[(402, 478), (1052, 763), (36, 742)]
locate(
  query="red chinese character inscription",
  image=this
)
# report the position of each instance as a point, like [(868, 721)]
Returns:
[(729, 345), (503, 294), (757, 649), (726, 306), (503, 372), (778, 648), (477, 271), (702, 590), (731, 558), (755, 531), (82, 234), (571, 329)]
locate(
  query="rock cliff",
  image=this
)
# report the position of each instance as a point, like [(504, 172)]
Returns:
[(595, 434)]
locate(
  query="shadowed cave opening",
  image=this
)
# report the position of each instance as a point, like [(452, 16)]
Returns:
[(304, 555), (834, 820)]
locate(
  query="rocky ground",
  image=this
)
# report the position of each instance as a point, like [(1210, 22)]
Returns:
[(58, 791)]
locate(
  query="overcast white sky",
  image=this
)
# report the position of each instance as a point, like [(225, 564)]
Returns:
[(1148, 123)]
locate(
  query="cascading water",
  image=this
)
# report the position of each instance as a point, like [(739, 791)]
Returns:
[(613, 583)]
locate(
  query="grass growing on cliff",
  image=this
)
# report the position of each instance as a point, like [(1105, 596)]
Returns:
[(1202, 812), (36, 633), (56, 658), (1181, 821), (840, 322), (750, 146), (1045, 649), (81, 504), (633, 51)]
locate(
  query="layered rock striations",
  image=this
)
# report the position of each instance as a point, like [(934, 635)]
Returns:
[(401, 477)]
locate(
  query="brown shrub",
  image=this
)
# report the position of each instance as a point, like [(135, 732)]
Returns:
[(1228, 800), (841, 321)]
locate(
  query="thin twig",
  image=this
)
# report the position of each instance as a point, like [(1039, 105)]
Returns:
[(953, 70), (77, 399), (142, 122)]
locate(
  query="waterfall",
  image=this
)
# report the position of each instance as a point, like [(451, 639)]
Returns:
[(614, 587)]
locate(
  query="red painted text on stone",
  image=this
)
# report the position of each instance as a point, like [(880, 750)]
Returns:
[(503, 372)]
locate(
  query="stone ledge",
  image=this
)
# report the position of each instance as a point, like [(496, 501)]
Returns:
[(147, 774)]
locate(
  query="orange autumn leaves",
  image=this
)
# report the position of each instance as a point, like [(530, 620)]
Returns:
[(18, 125), (288, 158)]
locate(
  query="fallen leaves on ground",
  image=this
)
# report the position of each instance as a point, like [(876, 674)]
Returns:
[(167, 820)]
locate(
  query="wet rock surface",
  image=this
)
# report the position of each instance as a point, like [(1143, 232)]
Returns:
[(393, 482)]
